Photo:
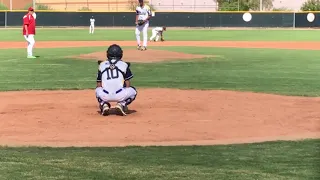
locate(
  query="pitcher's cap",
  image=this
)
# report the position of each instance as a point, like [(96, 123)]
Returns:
[(30, 9)]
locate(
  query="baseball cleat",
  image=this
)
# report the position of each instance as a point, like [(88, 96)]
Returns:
[(139, 47), (144, 48), (125, 109), (120, 108), (31, 57), (105, 110)]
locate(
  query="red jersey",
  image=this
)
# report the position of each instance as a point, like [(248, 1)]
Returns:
[(29, 20)]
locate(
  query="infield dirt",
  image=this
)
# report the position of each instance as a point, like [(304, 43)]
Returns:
[(158, 116)]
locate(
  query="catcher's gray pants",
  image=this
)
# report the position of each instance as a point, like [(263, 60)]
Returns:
[(144, 29), (124, 96)]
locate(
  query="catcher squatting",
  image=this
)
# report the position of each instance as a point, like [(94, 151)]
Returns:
[(113, 82)]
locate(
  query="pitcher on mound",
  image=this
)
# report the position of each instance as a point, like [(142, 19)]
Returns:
[(143, 15)]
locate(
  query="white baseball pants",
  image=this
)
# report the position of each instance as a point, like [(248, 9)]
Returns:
[(155, 34), (144, 29), (91, 29), (31, 42), (124, 96)]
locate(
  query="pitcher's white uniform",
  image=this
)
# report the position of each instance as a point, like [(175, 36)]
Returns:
[(143, 13), (156, 33), (91, 29), (112, 81)]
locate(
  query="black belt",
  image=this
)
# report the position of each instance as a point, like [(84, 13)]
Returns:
[(116, 91)]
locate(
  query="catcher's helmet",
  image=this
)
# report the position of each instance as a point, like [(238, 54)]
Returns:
[(114, 52)]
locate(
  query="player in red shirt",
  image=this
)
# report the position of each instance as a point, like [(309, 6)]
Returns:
[(29, 30)]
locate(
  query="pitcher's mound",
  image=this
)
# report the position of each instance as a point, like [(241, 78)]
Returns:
[(149, 55)]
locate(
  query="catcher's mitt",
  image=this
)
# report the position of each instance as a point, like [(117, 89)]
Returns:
[(140, 22)]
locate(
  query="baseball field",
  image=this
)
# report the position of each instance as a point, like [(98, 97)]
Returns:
[(211, 104)]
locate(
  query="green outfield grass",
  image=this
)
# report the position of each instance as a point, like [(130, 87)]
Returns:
[(264, 161), (292, 72), (170, 35)]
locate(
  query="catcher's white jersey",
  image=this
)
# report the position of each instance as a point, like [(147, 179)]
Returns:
[(92, 21), (143, 12), (113, 79)]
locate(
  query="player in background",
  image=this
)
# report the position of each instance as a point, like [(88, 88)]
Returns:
[(113, 82), (91, 28), (143, 13), (29, 30), (157, 32)]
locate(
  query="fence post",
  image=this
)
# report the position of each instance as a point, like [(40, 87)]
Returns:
[(5, 19), (294, 20)]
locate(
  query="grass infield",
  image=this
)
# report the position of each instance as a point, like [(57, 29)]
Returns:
[(289, 72)]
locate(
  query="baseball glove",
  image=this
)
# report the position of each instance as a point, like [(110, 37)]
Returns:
[(140, 22)]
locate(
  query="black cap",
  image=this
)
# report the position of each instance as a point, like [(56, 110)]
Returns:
[(140, 1)]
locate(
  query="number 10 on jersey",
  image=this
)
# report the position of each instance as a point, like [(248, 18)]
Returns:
[(112, 74)]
